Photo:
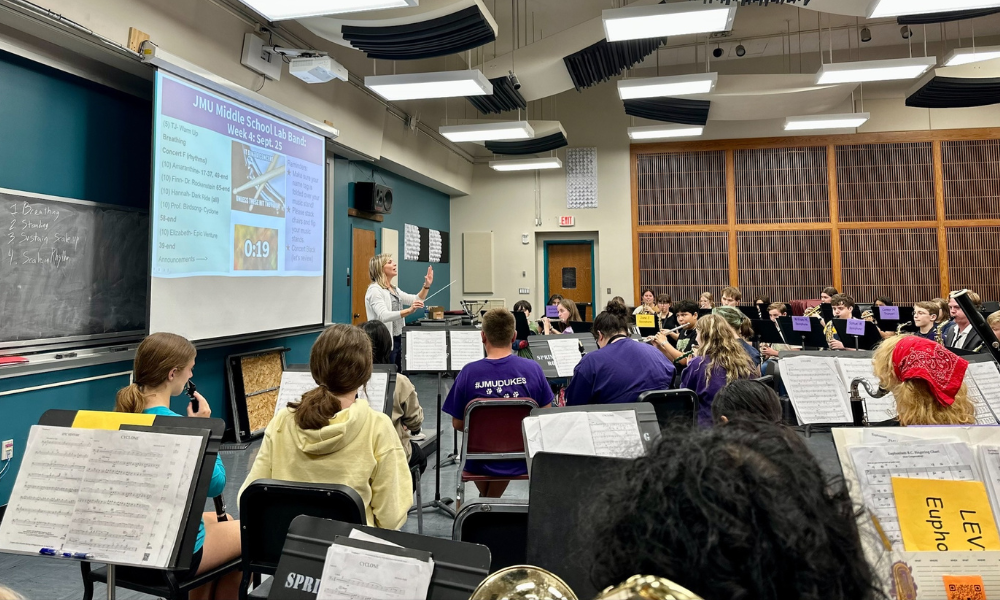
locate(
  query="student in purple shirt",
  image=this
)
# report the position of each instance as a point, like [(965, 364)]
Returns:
[(500, 375), (719, 359), (621, 369)]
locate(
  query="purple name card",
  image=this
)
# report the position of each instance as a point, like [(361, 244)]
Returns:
[(890, 313), (552, 312), (801, 324), (855, 327)]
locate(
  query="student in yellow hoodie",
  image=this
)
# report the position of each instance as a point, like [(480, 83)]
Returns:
[(333, 437)]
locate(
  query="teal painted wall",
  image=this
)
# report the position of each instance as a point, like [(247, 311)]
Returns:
[(65, 136)]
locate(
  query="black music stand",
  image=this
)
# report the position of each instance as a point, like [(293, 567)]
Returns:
[(768, 331), (892, 324), (826, 311), (704, 311), (542, 353), (521, 325), (866, 341), (459, 567), (814, 338), (581, 326), (751, 311)]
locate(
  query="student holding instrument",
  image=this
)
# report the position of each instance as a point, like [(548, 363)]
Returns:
[(162, 368), (384, 301), (567, 312), (925, 317), (331, 436), (648, 306), (685, 339), (719, 359), (843, 308), (666, 319)]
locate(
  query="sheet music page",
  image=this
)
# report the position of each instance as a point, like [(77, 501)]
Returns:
[(879, 409), (984, 416), (815, 390), (357, 574), (606, 433), (566, 355), (877, 465), (987, 379), (466, 347), (616, 434), (427, 351), (989, 465), (531, 427), (567, 433), (293, 385), (378, 385)]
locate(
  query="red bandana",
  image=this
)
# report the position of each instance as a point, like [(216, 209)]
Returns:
[(918, 358)]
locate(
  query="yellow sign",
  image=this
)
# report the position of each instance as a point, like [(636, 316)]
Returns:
[(92, 419), (645, 320), (945, 516)]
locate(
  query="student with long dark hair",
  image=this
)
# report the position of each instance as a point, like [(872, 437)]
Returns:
[(746, 399)]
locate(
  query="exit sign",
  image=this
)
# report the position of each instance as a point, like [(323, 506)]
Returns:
[(567, 221)]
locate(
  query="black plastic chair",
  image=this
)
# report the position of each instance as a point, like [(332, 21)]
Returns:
[(267, 508), (672, 406), (500, 525)]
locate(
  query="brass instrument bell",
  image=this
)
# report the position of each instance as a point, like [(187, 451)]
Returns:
[(525, 582)]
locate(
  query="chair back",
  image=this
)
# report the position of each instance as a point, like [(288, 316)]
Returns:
[(268, 506), (672, 405), (499, 524), (493, 428)]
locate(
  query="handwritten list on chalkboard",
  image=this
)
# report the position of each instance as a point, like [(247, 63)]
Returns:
[(70, 268)]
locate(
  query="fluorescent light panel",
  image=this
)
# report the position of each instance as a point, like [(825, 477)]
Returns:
[(875, 70), (659, 132), (488, 132), (280, 10), (526, 164), (655, 87), (964, 56), (897, 8), (660, 20), (841, 121), (418, 86)]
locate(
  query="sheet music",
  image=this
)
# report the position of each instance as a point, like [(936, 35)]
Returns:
[(358, 574), (607, 433), (879, 409), (378, 385), (566, 355), (293, 385), (987, 379), (466, 347), (113, 494), (876, 466), (984, 416), (815, 390), (427, 351), (989, 466)]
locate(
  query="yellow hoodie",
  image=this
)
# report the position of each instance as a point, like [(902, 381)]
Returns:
[(359, 448)]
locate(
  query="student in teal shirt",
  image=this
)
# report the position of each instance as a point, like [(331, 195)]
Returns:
[(163, 365)]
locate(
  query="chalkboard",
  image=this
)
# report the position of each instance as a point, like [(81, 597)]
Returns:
[(70, 268)]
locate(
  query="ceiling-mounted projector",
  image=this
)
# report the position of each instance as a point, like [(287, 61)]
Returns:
[(317, 70)]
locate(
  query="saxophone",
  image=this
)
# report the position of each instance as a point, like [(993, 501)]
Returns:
[(899, 330)]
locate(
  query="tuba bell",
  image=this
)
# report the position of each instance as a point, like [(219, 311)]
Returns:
[(525, 582)]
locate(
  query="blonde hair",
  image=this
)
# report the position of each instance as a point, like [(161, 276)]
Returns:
[(376, 270), (718, 343), (156, 356), (708, 296), (915, 404), (8, 594), (340, 362), (993, 320)]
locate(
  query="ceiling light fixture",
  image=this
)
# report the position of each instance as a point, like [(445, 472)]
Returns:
[(659, 132), (741, 51), (843, 121), (526, 164), (661, 20), (418, 86), (488, 132), (964, 56), (866, 35), (874, 70), (655, 87), (280, 10), (898, 8)]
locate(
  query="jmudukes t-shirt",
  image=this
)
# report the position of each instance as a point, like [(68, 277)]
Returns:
[(508, 377)]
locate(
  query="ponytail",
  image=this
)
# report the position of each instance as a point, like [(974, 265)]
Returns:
[(341, 362), (130, 400), (316, 408)]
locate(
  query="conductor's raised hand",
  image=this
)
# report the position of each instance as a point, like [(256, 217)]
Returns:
[(429, 277), (204, 410)]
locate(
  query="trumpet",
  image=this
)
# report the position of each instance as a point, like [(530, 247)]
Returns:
[(812, 312), (868, 315)]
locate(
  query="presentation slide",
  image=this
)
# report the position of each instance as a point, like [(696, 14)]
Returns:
[(238, 220)]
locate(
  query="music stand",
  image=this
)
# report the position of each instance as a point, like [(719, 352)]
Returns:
[(826, 311), (768, 331), (814, 338), (752, 311), (521, 325), (581, 326), (866, 341), (704, 311), (892, 324)]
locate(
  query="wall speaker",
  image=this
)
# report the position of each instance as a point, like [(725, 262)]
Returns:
[(372, 197)]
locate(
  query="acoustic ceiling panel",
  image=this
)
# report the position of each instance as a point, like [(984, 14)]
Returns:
[(505, 98), (460, 31), (956, 92), (672, 110), (533, 146), (601, 61)]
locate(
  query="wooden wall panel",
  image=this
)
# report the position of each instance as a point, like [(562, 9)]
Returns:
[(784, 265), (681, 188), (886, 182), (901, 264), (684, 264), (971, 179), (782, 185), (973, 256)]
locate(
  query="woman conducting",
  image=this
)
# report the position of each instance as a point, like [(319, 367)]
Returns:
[(384, 302)]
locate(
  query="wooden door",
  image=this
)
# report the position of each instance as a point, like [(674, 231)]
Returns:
[(570, 271), (363, 250)]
